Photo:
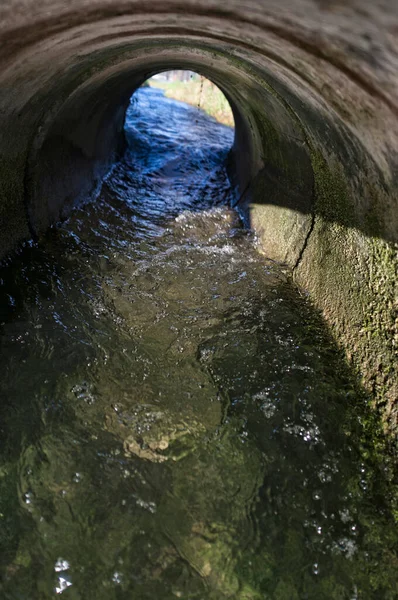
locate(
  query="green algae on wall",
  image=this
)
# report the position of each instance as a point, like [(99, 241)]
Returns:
[(332, 200), (353, 279)]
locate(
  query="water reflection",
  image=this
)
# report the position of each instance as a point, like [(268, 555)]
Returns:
[(176, 421)]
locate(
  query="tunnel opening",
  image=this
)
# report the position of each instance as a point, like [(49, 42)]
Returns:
[(183, 148)]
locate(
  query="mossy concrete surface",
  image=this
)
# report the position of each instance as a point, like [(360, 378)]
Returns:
[(313, 86)]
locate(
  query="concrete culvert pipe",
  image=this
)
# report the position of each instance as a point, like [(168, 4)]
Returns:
[(313, 85)]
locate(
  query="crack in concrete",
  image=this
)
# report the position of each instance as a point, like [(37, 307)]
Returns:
[(305, 244)]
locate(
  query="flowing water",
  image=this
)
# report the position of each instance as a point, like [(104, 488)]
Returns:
[(175, 420)]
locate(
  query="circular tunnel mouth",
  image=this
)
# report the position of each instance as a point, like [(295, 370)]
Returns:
[(179, 138), (176, 157), (283, 123), (75, 148)]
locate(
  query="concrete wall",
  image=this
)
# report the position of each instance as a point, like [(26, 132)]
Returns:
[(314, 89)]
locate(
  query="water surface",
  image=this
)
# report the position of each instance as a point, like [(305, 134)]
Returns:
[(175, 419)]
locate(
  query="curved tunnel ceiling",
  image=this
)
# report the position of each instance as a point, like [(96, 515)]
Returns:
[(313, 85)]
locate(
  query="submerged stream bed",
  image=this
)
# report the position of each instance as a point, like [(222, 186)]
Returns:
[(175, 420)]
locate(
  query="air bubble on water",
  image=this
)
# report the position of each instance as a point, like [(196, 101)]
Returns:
[(346, 546), (315, 568), (117, 577), (324, 477), (150, 506), (268, 408), (63, 584), (28, 497), (82, 392), (61, 565)]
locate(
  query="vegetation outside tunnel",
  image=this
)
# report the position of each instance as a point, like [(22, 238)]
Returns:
[(198, 91)]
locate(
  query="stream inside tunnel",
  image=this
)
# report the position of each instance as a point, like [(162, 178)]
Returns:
[(176, 419)]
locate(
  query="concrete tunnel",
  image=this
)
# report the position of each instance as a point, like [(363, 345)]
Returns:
[(313, 85)]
